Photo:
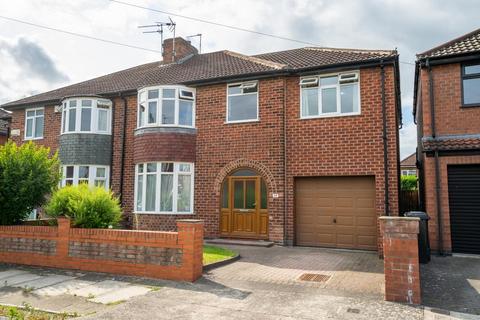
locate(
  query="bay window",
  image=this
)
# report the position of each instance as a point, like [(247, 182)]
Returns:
[(330, 95), (86, 115), (34, 122), (242, 102), (168, 106), (164, 187), (92, 175)]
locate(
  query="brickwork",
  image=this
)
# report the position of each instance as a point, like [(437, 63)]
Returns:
[(182, 48), (401, 264), (125, 253), (450, 119), (164, 146), (39, 246), (164, 255)]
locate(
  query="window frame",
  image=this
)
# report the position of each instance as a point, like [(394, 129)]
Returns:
[(158, 174), (238, 94), (25, 137), (92, 174), (338, 87), (463, 77), (159, 100), (94, 115)]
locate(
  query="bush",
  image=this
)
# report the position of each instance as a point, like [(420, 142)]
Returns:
[(88, 207), (27, 175), (408, 183)]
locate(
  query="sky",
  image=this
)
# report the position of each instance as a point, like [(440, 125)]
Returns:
[(34, 60)]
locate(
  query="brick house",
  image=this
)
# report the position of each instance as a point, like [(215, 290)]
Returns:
[(408, 166), (447, 113), (4, 125), (297, 147)]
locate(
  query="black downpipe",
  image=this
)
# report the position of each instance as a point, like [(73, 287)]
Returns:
[(124, 134), (438, 188), (384, 137), (285, 178)]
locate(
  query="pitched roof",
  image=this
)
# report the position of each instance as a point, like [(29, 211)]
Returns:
[(410, 161), (209, 66), (468, 43)]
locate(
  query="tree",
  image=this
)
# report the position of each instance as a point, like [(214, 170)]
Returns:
[(408, 183), (28, 174)]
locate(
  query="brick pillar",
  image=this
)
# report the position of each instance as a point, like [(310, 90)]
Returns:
[(63, 237), (400, 254), (190, 236)]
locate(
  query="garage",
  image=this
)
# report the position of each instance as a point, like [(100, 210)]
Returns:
[(336, 212), (464, 202)]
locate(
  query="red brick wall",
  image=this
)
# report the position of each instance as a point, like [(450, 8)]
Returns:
[(51, 130), (3, 139), (345, 146), (171, 255), (164, 146), (450, 117)]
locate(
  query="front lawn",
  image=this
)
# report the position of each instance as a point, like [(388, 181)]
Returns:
[(212, 254)]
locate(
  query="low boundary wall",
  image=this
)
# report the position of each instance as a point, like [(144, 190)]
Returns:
[(165, 255)]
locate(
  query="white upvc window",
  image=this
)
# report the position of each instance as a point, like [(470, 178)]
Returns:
[(330, 95), (86, 115), (34, 123), (242, 102), (164, 188), (409, 172), (92, 175), (166, 106)]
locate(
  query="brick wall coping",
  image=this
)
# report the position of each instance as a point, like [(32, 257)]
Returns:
[(399, 225), (190, 221), (28, 229)]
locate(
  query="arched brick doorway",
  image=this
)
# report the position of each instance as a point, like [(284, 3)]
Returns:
[(243, 190)]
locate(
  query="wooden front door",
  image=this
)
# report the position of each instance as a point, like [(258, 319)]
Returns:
[(244, 208)]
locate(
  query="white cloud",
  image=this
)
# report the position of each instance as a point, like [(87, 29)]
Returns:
[(408, 140)]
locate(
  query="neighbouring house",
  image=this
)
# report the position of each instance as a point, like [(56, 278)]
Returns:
[(447, 112), (408, 166), (297, 147), (5, 118)]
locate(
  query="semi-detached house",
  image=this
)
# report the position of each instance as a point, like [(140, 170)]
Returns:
[(296, 147)]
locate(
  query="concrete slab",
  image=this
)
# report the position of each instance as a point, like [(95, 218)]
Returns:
[(10, 273), (121, 294), (239, 242), (99, 288), (66, 287), (17, 280), (46, 281)]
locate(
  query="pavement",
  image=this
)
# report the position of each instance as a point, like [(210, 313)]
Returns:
[(266, 283)]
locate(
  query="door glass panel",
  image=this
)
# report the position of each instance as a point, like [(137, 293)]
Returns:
[(244, 173), (250, 194), (225, 194), (263, 192), (238, 196)]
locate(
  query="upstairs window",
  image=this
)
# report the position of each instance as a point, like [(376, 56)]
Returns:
[(330, 95), (84, 115), (90, 174), (471, 84), (34, 121), (242, 102), (168, 106)]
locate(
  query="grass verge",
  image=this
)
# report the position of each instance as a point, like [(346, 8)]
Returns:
[(28, 313), (212, 254)]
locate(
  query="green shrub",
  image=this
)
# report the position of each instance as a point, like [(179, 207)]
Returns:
[(28, 174), (88, 207), (408, 182)]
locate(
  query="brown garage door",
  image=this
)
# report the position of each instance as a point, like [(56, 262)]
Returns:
[(336, 212)]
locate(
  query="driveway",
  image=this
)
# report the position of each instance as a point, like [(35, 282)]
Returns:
[(452, 283), (265, 284)]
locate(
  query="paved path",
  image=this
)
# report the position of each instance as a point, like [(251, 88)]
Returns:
[(66, 291)]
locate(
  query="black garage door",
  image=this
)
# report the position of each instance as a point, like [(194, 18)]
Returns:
[(464, 199)]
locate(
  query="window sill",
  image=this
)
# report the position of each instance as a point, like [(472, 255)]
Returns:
[(466, 106), (31, 139), (165, 213), (86, 132), (242, 121), (331, 116)]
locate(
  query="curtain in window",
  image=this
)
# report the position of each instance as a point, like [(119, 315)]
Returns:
[(184, 192), (166, 196), (150, 192)]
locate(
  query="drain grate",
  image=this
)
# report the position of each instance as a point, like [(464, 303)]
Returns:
[(314, 277)]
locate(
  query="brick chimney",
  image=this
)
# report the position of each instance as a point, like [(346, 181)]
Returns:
[(183, 48)]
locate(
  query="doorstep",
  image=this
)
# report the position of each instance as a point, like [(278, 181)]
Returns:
[(241, 242)]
